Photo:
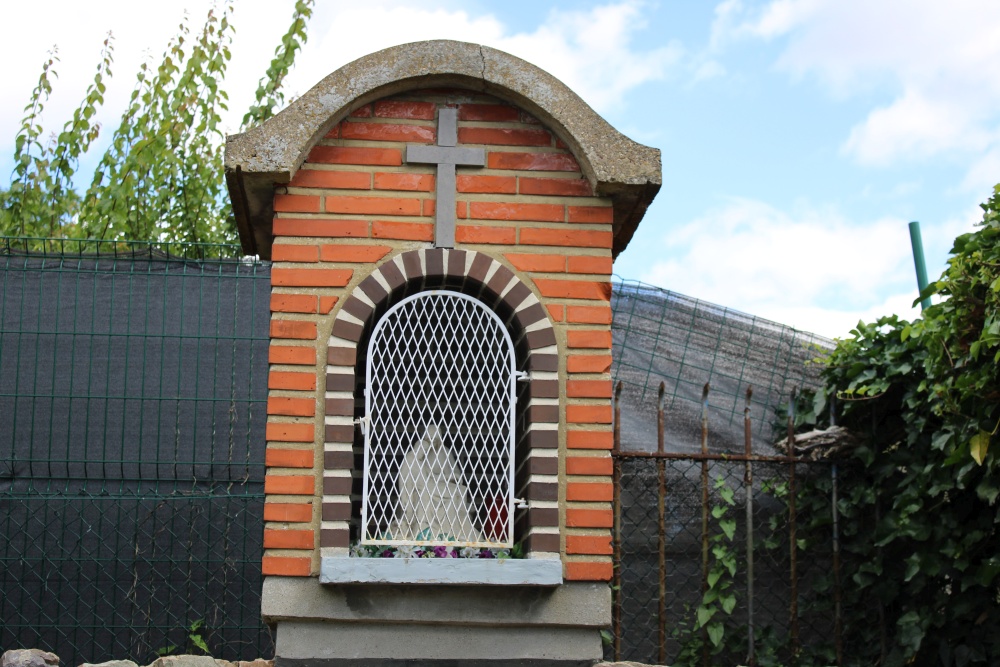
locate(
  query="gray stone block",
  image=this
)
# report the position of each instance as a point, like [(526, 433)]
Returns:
[(110, 663), (452, 571), (28, 657)]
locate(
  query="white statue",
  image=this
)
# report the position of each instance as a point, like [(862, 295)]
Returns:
[(432, 504)]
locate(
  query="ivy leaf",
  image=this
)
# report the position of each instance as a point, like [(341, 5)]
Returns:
[(728, 603), (715, 633), (705, 615), (978, 446)]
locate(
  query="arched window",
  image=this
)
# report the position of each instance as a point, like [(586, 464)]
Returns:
[(439, 425)]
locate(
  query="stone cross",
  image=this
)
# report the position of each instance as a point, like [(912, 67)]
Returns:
[(446, 155)]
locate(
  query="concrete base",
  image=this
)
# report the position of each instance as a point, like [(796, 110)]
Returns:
[(445, 626), (441, 571)]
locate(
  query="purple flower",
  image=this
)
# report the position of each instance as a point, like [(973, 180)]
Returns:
[(387, 553), (452, 553), (485, 553), (440, 552)]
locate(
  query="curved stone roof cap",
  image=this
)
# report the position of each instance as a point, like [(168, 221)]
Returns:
[(269, 154)]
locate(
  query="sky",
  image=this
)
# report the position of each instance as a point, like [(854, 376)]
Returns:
[(799, 137)]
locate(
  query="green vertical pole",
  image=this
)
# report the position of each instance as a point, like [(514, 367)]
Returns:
[(918, 261)]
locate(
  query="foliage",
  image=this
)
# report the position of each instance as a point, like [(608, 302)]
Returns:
[(918, 500), (161, 176), (195, 641)]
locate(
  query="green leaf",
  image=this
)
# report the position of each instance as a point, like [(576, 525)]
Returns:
[(713, 578), (199, 642), (715, 634), (728, 603), (705, 614), (979, 445)]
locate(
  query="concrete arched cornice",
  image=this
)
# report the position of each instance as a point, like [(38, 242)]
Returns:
[(269, 155)]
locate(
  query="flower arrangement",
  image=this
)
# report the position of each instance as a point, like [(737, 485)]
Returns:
[(408, 551)]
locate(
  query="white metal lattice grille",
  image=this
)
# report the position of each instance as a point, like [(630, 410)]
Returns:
[(439, 425)]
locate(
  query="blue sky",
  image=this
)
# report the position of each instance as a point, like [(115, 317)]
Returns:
[(798, 136)]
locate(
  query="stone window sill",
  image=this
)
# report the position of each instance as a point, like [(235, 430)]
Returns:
[(441, 571)]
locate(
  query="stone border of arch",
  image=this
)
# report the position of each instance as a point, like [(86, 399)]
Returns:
[(433, 266)]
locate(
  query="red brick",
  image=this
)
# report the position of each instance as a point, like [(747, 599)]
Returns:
[(506, 185), (283, 252), (288, 539), (403, 231), (404, 109), (293, 303), (582, 518), (539, 263), (293, 329), (296, 204), (588, 388), (484, 210), (565, 187), (593, 339), (311, 277), (588, 314), (286, 566), (586, 544), (334, 132), (556, 312), (501, 136), (361, 254), (478, 234), (599, 363), (276, 432), (589, 465), (288, 458), (404, 182), (590, 491), (326, 304), (291, 407), (332, 180), (293, 355), (289, 512), (290, 485), (417, 134), (309, 227), (588, 414), (532, 161), (574, 289), (585, 571), (575, 238), (496, 113), (591, 214), (588, 264), (373, 205), (292, 381), (590, 440), (387, 157), (362, 112)]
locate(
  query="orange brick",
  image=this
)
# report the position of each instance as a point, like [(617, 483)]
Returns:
[(406, 182), (573, 238), (502, 136), (599, 339), (588, 571), (417, 134), (590, 214), (590, 491), (590, 439), (334, 132), (326, 304), (275, 432), (293, 329), (372, 206), (585, 544), (362, 112), (588, 414), (295, 512), (567, 187), (598, 363), (288, 458), (404, 231), (556, 312), (295, 355), (311, 277), (573, 289), (296, 204), (578, 518), (581, 264), (487, 184), (588, 314), (532, 161), (293, 303), (290, 485), (331, 180), (540, 263), (291, 407), (485, 210), (282, 252), (307, 227), (387, 157), (288, 539), (286, 566), (480, 234), (496, 113), (404, 109), (588, 388), (589, 465), (353, 253), (291, 380)]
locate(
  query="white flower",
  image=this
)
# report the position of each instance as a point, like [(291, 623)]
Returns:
[(469, 552), (406, 551)]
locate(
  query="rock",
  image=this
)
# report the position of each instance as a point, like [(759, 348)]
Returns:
[(111, 663), (188, 661), (28, 657), (259, 662), (623, 663)]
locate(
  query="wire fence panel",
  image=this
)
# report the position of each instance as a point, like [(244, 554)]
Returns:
[(132, 391)]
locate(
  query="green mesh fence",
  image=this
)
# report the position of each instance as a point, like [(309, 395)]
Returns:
[(132, 391)]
